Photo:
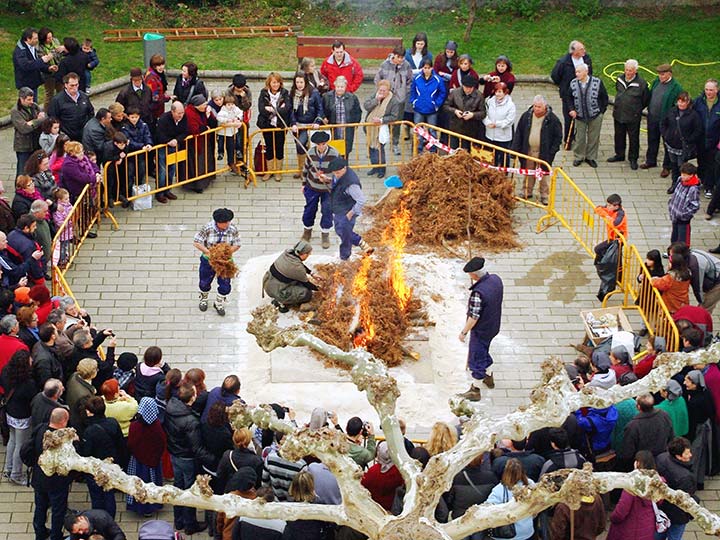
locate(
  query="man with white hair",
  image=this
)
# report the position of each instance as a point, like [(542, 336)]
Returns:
[(631, 97), (564, 72), (587, 103), (538, 134)]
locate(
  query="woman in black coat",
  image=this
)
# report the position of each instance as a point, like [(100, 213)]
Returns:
[(188, 84), (74, 61), (242, 456), (682, 130), (700, 409), (274, 111), (19, 385)]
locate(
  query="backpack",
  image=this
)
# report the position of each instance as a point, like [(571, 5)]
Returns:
[(28, 454), (158, 530)]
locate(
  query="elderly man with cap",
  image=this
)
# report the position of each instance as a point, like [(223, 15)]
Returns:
[(316, 187), (664, 92), (287, 281), (243, 99), (466, 108), (346, 200), (483, 323), (218, 231)]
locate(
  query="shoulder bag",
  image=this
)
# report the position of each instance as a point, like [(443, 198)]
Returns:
[(503, 531)]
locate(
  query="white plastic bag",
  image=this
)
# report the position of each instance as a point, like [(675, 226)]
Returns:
[(384, 134), (144, 201)]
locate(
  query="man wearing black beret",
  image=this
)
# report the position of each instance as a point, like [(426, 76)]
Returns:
[(483, 323), (316, 187), (219, 230)]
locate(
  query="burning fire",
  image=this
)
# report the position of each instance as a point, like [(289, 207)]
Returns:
[(360, 291), (395, 234)]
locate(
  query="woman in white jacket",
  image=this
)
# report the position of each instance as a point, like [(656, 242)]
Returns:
[(499, 121)]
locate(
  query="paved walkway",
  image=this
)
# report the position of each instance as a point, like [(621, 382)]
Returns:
[(141, 281)]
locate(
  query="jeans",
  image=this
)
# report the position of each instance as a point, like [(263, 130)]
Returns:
[(348, 237), (501, 158), (22, 158), (165, 174), (675, 532), (227, 143), (431, 119), (377, 157), (207, 274), (56, 500), (13, 463), (99, 498), (185, 472), (313, 199)]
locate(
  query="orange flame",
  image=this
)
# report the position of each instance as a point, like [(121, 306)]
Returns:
[(360, 291), (395, 234)]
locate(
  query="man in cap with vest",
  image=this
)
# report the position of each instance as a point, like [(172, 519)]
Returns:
[(347, 201), (482, 323), (287, 281), (316, 187), (219, 230)]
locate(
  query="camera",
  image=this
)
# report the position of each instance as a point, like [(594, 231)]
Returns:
[(365, 428)]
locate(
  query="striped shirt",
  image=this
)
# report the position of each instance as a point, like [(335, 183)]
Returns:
[(278, 473)]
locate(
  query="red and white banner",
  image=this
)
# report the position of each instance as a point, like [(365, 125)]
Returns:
[(433, 141)]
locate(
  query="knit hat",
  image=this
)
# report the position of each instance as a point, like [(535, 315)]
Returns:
[(318, 418), (243, 480), (383, 457), (673, 389), (22, 295), (503, 58), (197, 100), (451, 46), (302, 247), (336, 164), (320, 137), (223, 215), (239, 80), (475, 264), (697, 378), (127, 361), (148, 410)]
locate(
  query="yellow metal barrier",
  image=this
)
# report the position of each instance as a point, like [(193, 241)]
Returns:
[(348, 139), (171, 167)]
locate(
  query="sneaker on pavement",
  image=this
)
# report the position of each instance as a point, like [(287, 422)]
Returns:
[(708, 194)]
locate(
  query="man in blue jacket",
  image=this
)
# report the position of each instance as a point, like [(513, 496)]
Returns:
[(27, 62), (347, 201), (707, 106)]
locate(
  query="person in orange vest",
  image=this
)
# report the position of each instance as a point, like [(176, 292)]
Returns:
[(614, 211)]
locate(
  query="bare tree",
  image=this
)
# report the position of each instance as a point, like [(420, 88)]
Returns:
[(551, 401)]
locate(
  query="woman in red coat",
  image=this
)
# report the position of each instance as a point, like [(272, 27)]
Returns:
[(634, 517), (383, 478), (201, 148), (146, 444)]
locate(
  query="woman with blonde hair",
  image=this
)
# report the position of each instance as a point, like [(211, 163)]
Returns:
[(442, 438), (274, 112), (78, 171), (513, 476), (302, 489)]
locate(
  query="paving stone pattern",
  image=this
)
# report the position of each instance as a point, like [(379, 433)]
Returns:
[(141, 280)]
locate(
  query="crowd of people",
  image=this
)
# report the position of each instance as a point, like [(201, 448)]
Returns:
[(159, 423)]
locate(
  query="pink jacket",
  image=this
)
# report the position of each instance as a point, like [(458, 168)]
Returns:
[(633, 518), (62, 211)]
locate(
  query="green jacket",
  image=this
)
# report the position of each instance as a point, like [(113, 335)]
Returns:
[(363, 455), (677, 410), (670, 96)]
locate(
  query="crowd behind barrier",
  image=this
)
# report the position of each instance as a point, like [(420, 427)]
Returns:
[(159, 423)]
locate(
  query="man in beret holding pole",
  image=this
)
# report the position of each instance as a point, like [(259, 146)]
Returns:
[(316, 189), (219, 230), (482, 323)]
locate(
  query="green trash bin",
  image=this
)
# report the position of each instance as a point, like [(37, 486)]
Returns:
[(153, 44)]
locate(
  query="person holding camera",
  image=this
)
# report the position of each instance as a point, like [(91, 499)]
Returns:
[(361, 437)]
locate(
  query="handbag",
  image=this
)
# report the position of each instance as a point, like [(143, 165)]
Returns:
[(259, 161), (143, 201), (662, 521), (689, 150), (384, 134), (503, 531), (4, 427)]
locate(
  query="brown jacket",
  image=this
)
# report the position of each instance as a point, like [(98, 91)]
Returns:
[(458, 101)]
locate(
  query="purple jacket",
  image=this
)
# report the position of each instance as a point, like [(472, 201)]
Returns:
[(76, 173), (633, 517)]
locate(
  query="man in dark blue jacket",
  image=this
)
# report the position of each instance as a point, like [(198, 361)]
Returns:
[(707, 106), (347, 201), (72, 107), (22, 245), (27, 62), (483, 323)]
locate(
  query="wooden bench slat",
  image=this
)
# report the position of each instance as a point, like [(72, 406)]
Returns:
[(372, 48)]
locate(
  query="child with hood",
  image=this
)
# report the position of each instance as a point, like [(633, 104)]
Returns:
[(684, 203)]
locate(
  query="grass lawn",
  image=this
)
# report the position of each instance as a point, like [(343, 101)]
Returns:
[(533, 46)]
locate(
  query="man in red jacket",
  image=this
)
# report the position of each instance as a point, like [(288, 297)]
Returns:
[(341, 63)]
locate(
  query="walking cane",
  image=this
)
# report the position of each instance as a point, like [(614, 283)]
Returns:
[(568, 142)]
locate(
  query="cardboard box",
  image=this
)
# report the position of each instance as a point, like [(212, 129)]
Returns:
[(601, 333)]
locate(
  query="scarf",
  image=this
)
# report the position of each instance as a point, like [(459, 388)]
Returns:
[(383, 457), (274, 100), (378, 111), (148, 410), (300, 99)]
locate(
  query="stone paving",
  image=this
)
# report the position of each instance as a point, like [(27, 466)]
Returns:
[(141, 281)]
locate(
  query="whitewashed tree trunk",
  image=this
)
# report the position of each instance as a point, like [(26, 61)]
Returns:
[(550, 403)]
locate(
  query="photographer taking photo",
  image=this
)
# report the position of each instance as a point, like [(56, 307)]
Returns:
[(361, 436)]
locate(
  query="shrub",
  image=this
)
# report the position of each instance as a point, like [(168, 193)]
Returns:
[(587, 9), (43, 9)]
